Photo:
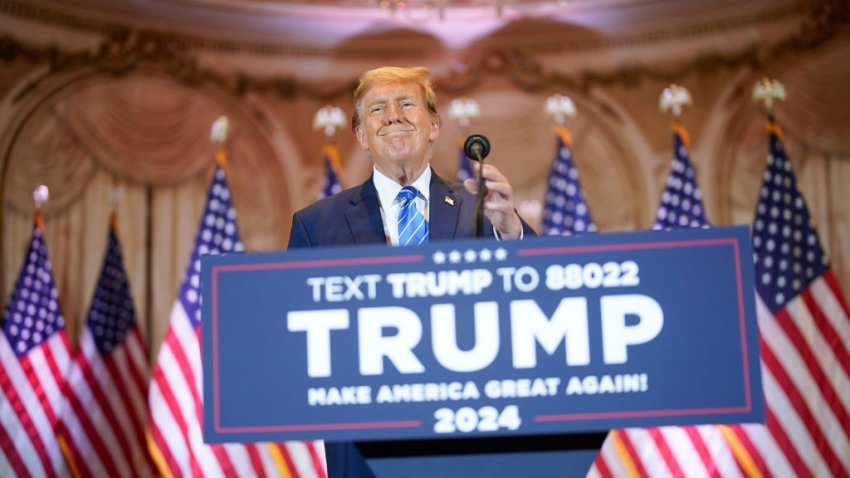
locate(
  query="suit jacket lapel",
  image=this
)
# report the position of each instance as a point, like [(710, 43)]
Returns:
[(445, 209), (364, 216)]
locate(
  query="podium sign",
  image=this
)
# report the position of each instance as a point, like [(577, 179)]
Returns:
[(481, 338)]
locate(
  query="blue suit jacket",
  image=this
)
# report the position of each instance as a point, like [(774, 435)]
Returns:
[(354, 217)]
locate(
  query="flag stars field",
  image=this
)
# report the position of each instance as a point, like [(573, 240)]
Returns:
[(775, 246), (34, 309), (564, 208)]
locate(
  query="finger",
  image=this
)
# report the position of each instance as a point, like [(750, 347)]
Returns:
[(499, 187), (498, 203), (491, 173)]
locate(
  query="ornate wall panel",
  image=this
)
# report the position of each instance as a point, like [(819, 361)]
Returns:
[(119, 106)]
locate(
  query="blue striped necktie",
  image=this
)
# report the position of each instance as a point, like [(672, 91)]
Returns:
[(412, 226)]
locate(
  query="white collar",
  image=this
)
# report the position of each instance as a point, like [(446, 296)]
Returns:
[(388, 189)]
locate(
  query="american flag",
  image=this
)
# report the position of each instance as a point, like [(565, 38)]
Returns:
[(332, 167), (692, 451), (464, 167), (805, 337), (34, 358), (564, 210), (103, 424), (176, 440)]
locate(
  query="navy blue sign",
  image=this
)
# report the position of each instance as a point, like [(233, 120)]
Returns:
[(481, 338)]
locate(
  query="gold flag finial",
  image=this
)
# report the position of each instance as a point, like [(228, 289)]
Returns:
[(560, 106), (328, 119), (115, 195), (218, 132), (218, 135), (463, 110), (673, 98), (40, 196), (768, 90)]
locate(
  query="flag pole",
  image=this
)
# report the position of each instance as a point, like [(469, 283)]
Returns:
[(768, 91), (115, 195), (673, 98), (328, 119), (218, 136), (463, 110), (560, 107), (40, 196)]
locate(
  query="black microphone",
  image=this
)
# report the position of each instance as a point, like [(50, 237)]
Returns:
[(477, 147)]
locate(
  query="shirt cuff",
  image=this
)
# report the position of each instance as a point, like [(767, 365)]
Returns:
[(499, 236)]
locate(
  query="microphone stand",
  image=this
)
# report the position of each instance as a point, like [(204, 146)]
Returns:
[(477, 147), (479, 200)]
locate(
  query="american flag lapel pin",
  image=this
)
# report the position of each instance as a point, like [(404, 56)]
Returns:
[(449, 201)]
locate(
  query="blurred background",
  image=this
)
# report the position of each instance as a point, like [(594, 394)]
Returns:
[(99, 94)]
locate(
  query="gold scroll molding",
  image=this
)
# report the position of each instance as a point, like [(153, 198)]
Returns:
[(125, 49)]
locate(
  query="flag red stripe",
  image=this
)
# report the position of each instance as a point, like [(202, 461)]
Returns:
[(832, 282), (121, 371), (224, 461), (784, 443), (630, 448), (11, 454), (318, 463), (37, 388), (97, 443), (135, 340), (218, 451), (799, 405), (796, 397), (58, 375), (9, 389), (835, 344), (177, 351), (105, 408), (173, 408), (256, 461), (666, 453), (602, 466), (185, 369), (702, 450), (826, 387), (118, 384)]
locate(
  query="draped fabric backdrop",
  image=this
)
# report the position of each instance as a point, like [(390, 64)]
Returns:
[(94, 120)]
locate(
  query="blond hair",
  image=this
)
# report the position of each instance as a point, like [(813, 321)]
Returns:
[(394, 74)]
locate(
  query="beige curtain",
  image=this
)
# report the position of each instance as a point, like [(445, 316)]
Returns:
[(148, 136)]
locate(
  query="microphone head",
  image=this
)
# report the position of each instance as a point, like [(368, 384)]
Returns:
[(476, 147)]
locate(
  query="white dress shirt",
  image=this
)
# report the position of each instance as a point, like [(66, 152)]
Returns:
[(390, 203)]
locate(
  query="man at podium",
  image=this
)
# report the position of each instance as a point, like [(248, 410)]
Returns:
[(403, 202)]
